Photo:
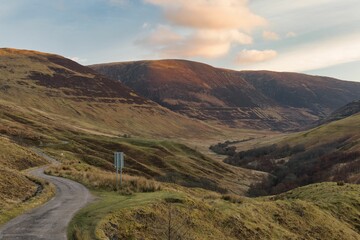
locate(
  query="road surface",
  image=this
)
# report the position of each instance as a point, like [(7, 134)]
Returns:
[(50, 220)]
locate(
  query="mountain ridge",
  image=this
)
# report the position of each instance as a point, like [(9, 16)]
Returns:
[(255, 99)]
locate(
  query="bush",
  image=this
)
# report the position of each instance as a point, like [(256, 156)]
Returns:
[(232, 198), (341, 183)]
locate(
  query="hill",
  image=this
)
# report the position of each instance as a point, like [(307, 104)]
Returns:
[(70, 110), (258, 99), (50, 88), (319, 211), (343, 112), (330, 152)]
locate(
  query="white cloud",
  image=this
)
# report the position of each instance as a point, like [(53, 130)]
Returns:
[(254, 56), (291, 34), (208, 44), (212, 27), (210, 14), (316, 55), (79, 60), (160, 36), (202, 43), (145, 25), (272, 36)]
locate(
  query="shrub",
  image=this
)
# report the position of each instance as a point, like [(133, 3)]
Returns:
[(340, 183), (232, 198)]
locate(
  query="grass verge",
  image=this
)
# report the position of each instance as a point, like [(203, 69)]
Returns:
[(47, 192), (85, 223)]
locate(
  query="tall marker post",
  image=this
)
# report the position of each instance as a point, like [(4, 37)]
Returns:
[(119, 165)]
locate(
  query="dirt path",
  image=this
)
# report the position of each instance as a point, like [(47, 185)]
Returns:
[(50, 220)]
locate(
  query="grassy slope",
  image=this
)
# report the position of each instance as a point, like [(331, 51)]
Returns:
[(160, 160), (330, 152), (256, 99), (331, 213), (64, 94), (75, 132), (16, 190), (349, 126), (43, 114)]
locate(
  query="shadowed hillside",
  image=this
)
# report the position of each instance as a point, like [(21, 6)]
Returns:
[(343, 112), (258, 99), (330, 152)]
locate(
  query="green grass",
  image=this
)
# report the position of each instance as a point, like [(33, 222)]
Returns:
[(84, 224), (299, 214), (341, 201), (160, 160), (348, 127)]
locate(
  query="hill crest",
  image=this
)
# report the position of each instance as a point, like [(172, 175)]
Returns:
[(255, 99)]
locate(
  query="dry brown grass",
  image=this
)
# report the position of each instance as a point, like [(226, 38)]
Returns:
[(15, 188), (103, 180)]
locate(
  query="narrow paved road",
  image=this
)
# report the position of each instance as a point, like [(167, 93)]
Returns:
[(50, 220)]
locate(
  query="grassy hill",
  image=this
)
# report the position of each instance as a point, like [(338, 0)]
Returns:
[(16, 189), (80, 118), (319, 211), (242, 99), (343, 112), (53, 89), (330, 152), (164, 161)]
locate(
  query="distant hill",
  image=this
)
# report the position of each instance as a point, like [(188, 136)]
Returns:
[(255, 99), (58, 91), (343, 112)]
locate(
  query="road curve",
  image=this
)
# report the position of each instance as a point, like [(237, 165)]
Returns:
[(50, 220)]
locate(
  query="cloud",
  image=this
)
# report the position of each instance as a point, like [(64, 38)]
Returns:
[(255, 56), (291, 35), (202, 43), (272, 36), (145, 25), (316, 55), (210, 14), (79, 60), (202, 28), (160, 36), (207, 43)]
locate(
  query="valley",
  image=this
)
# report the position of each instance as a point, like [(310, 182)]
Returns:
[(296, 144)]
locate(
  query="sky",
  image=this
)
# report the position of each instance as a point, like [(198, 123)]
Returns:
[(319, 37)]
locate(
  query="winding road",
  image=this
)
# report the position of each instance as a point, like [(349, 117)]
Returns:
[(50, 220)]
